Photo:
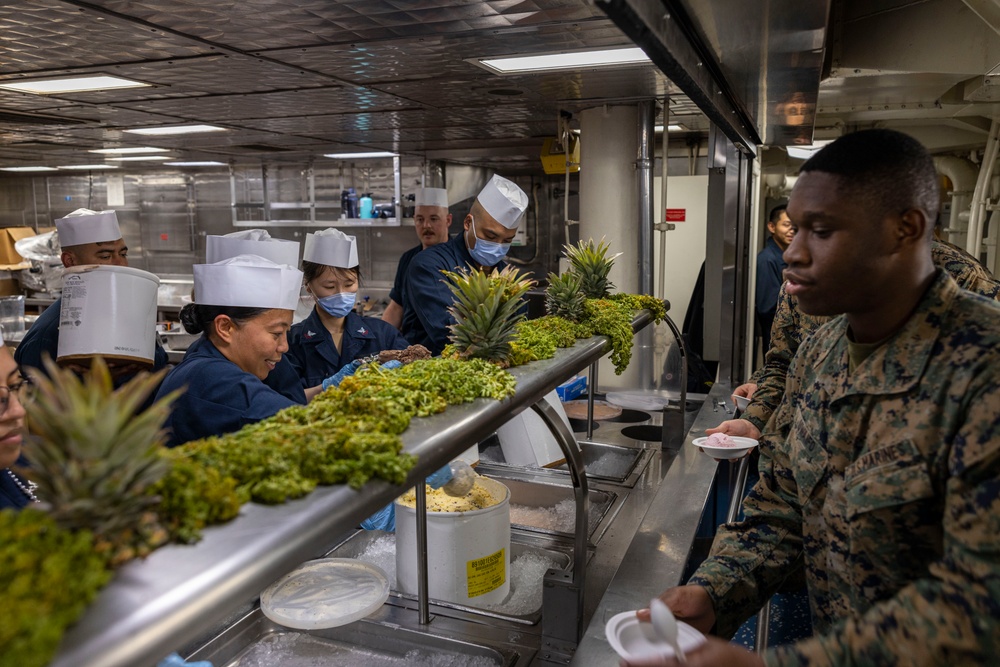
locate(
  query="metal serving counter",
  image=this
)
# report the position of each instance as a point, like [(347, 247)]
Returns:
[(179, 593), (659, 550)]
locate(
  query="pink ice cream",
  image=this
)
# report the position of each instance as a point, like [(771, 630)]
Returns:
[(721, 440)]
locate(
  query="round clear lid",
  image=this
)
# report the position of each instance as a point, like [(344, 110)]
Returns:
[(325, 593)]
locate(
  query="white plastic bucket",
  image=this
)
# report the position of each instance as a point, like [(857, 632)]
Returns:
[(468, 553), (108, 311)]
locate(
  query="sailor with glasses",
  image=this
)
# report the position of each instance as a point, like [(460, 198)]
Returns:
[(16, 490)]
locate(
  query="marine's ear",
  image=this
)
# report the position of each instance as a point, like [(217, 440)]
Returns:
[(912, 227)]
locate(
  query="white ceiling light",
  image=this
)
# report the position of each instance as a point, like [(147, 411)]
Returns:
[(28, 169), (94, 167), (126, 151), (806, 152), (207, 163), (177, 129), (560, 61), (79, 84), (351, 156), (138, 157), (672, 127)]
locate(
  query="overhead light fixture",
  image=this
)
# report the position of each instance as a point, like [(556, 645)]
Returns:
[(131, 158), (126, 151), (673, 127), (561, 61), (77, 84), (351, 156), (208, 163), (28, 169), (806, 152), (177, 129), (93, 167)]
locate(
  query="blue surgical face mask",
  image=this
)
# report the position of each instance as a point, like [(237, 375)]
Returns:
[(487, 253), (339, 304)]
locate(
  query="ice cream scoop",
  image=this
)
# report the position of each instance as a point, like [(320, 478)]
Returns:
[(456, 479)]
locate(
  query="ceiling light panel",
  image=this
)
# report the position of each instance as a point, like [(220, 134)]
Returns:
[(128, 150), (78, 84), (167, 130), (565, 61)]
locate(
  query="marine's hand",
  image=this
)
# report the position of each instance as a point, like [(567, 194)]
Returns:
[(714, 652), (745, 390), (690, 604), (738, 427)]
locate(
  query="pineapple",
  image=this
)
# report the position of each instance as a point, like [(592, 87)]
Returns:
[(486, 310), (564, 296), (592, 265), (94, 459)]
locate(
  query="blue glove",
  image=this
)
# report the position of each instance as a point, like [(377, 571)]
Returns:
[(174, 660), (440, 477), (392, 363), (348, 370), (384, 519)]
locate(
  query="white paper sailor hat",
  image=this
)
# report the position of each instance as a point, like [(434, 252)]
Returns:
[(247, 280), (503, 200), (331, 247), (251, 242), (86, 226), (432, 197)]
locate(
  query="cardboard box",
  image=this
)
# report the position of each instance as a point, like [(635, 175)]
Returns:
[(9, 259)]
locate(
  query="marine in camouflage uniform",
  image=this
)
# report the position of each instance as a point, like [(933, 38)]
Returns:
[(792, 326), (884, 483)]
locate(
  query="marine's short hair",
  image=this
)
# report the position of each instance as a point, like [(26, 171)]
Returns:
[(886, 170), (776, 213)]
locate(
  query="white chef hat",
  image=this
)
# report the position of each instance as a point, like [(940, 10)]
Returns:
[(503, 200), (331, 247), (86, 226), (247, 280), (251, 242), (432, 197)]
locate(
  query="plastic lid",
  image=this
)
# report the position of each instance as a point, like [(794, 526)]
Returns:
[(643, 400), (325, 593)]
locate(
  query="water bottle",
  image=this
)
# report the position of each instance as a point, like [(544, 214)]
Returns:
[(367, 206), (349, 203)]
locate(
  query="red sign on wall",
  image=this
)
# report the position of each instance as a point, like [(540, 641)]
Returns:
[(676, 214)]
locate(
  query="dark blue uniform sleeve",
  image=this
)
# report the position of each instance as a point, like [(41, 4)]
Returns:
[(42, 338), (389, 337), (428, 294), (769, 279), (285, 380)]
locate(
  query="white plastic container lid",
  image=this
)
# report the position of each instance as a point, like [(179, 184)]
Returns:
[(633, 640), (325, 593)]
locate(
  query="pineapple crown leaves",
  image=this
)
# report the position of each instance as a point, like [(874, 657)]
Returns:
[(564, 296), (486, 309), (87, 443), (592, 264)]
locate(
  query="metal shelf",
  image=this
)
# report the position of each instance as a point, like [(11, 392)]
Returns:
[(340, 222), (155, 606)]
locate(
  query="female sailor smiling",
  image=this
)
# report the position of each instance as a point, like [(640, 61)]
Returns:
[(243, 308), (334, 335)]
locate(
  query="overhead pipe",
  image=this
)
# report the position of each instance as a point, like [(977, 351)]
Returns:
[(644, 172)]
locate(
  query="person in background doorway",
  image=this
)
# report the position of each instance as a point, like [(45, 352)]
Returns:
[(86, 237), (334, 335), (489, 229), (243, 308), (16, 491), (431, 220), (769, 268), (879, 470)]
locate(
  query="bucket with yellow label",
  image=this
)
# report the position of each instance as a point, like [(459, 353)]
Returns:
[(468, 550)]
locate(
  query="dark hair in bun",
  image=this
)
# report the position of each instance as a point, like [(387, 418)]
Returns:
[(197, 318)]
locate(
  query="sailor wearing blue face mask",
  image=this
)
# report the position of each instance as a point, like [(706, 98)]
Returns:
[(334, 335), (489, 229)]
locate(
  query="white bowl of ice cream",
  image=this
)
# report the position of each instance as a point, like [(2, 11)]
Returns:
[(721, 446)]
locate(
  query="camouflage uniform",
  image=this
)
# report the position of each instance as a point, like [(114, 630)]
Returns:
[(791, 326), (884, 484)]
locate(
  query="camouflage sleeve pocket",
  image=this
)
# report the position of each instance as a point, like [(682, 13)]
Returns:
[(886, 477)]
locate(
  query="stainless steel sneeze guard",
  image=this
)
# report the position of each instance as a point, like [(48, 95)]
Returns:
[(155, 606)]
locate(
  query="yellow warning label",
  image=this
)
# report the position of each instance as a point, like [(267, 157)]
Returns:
[(486, 574)]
